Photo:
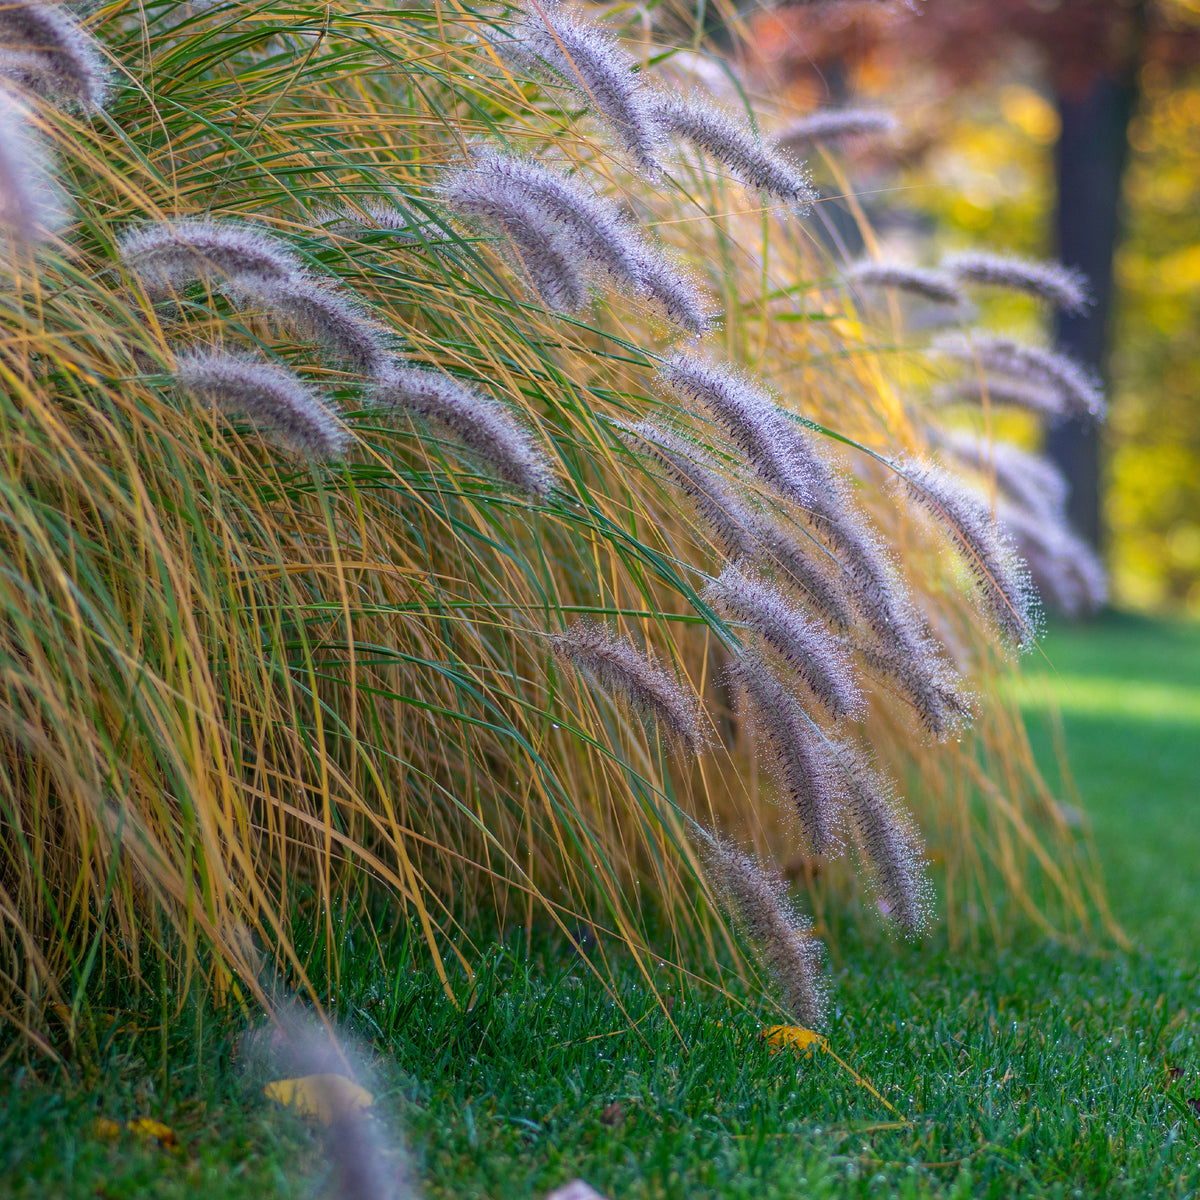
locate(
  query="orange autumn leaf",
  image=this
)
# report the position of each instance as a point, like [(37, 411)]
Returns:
[(326, 1097)]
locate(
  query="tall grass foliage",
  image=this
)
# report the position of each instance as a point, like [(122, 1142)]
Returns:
[(433, 462)]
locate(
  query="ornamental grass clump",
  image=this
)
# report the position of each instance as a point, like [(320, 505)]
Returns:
[(279, 683)]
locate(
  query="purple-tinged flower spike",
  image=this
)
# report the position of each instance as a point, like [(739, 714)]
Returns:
[(1080, 390), (318, 312), (593, 62), (546, 252), (732, 524), (674, 288), (1060, 286), (783, 940), (816, 656), (837, 125), (802, 763), (1019, 393), (46, 50), (168, 254), (783, 551), (1031, 480), (591, 223), (890, 843), (778, 451), (621, 669), (485, 428), (933, 688), (934, 286), (756, 164), (28, 207), (1001, 577), (1067, 572), (272, 397)]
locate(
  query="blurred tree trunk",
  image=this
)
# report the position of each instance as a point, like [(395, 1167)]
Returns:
[(1090, 159)]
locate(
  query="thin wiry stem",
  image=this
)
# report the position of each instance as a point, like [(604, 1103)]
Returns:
[(754, 163), (621, 669), (837, 125), (1079, 389), (271, 396), (802, 764), (779, 452), (1061, 286), (486, 429), (816, 656), (782, 939), (168, 254), (46, 50), (551, 258), (991, 558), (934, 286)]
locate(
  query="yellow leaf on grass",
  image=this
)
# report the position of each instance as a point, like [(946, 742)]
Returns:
[(146, 1128), (794, 1037), (326, 1097), (104, 1128)]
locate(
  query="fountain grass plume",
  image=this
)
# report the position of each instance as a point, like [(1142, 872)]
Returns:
[(1031, 480), (674, 287), (1019, 393), (818, 657), (801, 761), (593, 224), (28, 206), (623, 670), (1079, 389), (1060, 286), (1066, 571), (168, 254), (934, 286), (780, 453), (549, 255), (755, 164), (999, 574), (317, 311), (837, 125), (46, 50), (778, 548), (485, 428), (271, 396), (889, 842), (730, 521), (927, 681), (783, 940), (593, 62)]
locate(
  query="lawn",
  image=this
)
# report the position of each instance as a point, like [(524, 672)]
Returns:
[(1034, 1072)]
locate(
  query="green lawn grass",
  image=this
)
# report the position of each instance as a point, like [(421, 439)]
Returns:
[(1032, 1072)]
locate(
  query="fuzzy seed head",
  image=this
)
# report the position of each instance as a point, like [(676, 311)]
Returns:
[(779, 452), (1060, 286), (782, 939), (272, 397), (933, 286), (169, 254), (548, 254), (800, 758), (837, 125), (1030, 480), (999, 574), (622, 670), (927, 681), (44, 48), (675, 289), (486, 429), (1078, 388), (1067, 572), (1020, 393), (318, 312), (817, 657), (754, 163), (28, 206)]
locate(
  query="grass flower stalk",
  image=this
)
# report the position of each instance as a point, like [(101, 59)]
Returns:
[(46, 50), (837, 125), (934, 286), (1057, 285)]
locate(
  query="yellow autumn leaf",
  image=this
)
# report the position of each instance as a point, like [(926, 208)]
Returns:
[(326, 1097), (146, 1128), (794, 1037), (104, 1128)]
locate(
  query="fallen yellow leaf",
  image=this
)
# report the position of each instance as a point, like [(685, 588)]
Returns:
[(104, 1128), (794, 1037), (146, 1128), (326, 1097)]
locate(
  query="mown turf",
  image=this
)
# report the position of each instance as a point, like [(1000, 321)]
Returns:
[(1033, 1072)]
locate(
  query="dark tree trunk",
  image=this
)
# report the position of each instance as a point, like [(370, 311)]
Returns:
[(1090, 164)]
